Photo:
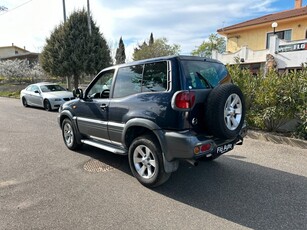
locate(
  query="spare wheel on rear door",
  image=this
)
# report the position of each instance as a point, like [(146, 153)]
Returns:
[(225, 111)]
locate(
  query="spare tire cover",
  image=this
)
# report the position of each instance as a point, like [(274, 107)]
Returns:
[(225, 111)]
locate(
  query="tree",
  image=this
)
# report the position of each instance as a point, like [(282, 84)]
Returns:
[(20, 70), (214, 43), (151, 40), (120, 56), (3, 8), (72, 52), (15, 70), (156, 48), (36, 72)]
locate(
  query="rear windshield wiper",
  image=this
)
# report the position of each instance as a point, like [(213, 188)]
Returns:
[(204, 79)]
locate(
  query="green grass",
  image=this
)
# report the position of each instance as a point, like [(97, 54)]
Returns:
[(10, 94)]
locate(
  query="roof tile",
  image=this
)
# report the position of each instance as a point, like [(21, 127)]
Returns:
[(268, 18)]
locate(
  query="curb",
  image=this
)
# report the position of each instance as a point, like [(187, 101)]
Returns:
[(277, 139)]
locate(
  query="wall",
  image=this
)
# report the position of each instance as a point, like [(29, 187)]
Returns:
[(9, 51), (292, 59), (255, 37)]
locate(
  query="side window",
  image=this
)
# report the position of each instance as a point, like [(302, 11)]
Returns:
[(128, 81), (155, 77), (102, 86)]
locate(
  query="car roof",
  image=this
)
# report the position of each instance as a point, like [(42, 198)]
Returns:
[(44, 83), (165, 58)]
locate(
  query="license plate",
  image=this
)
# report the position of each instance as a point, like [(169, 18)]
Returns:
[(224, 148)]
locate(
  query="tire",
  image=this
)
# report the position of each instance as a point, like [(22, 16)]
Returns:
[(24, 102), (69, 135), (146, 161), (225, 111), (47, 105)]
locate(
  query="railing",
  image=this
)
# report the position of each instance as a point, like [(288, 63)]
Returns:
[(288, 54)]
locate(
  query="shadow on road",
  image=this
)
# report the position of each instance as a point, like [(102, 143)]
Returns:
[(247, 194)]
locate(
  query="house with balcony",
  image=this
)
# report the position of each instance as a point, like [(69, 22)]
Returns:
[(276, 40)]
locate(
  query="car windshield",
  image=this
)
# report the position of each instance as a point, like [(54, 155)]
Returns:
[(51, 88), (203, 74)]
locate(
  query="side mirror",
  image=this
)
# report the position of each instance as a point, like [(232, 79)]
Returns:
[(36, 91), (105, 93), (78, 93)]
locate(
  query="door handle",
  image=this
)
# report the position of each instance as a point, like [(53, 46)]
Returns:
[(103, 106)]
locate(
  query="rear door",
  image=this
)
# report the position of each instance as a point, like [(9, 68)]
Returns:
[(201, 76)]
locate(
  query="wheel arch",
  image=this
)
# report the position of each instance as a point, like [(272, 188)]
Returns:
[(137, 127), (67, 114)]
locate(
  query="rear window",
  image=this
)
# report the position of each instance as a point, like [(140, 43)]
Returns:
[(202, 74)]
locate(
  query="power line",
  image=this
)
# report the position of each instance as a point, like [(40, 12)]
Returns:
[(9, 10)]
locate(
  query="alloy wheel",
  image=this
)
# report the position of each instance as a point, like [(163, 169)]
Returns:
[(144, 162), (68, 134), (233, 111)]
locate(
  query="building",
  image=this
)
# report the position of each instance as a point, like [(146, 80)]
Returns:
[(280, 38), (14, 52)]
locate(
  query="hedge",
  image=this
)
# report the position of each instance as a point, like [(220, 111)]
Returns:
[(274, 99)]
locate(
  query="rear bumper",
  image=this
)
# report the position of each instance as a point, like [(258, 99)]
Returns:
[(181, 145)]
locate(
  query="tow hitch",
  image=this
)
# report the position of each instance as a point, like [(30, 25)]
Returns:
[(240, 140)]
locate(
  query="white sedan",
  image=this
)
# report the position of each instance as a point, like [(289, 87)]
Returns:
[(47, 95)]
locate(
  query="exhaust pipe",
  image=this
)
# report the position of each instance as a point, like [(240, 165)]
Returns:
[(192, 162)]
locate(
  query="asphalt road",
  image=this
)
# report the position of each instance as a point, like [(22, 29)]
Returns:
[(43, 185)]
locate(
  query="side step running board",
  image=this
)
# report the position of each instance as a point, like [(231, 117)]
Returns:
[(109, 148)]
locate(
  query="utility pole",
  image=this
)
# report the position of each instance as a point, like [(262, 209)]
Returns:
[(68, 81), (88, 18), (64, 11)]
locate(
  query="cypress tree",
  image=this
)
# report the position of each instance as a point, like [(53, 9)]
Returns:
[(120, 56), (151, 40)]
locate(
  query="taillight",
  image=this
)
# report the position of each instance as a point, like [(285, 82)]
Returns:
[(184, 100), (199, 149)]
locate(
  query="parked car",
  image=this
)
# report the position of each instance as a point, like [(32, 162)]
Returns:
[(47, 95), (158, 111)]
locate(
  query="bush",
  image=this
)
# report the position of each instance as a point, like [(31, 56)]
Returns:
[(274, 99)]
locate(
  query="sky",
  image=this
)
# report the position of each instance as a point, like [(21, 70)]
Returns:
[(27, 23)]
